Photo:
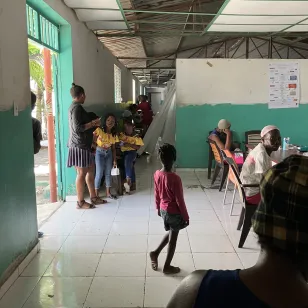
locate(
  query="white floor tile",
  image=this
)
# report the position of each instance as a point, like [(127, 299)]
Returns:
[(217, 261), (59, 292), (126, 244), (132, 215), (202, 215), (91, 228), (84, 244), (38, 266), (51, 243), (122, 265), (182, 243), (17, 295), (73, 265), (210, 243), (183, 260), (129, 228), (116, 292), (249, 259), (158, 290), (57, 228), (205, 228), (157, 227)]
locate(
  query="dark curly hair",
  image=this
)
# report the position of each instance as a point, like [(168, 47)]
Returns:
[(167, 155), (114, 129), (76, 91)]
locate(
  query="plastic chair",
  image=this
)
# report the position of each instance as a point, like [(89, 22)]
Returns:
[(252, 137), (220, 164), (210, 160), (248, 209), (231, 178)]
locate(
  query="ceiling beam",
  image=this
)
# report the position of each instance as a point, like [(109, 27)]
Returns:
[(144, 58), (164, 22), (185, 13), (216, 34), (152, 68)]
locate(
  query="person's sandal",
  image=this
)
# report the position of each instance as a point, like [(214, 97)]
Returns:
[(83, 205), (98, 201), (113, 197)]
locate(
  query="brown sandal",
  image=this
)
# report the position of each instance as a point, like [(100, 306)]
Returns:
[(83, 205), (98, 201)]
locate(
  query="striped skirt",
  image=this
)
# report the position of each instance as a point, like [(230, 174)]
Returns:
[(80, 158)]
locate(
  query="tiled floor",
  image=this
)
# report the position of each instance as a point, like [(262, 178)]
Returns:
[(99, 258)]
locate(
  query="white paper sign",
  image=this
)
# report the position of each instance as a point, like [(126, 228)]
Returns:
[(284, 85)]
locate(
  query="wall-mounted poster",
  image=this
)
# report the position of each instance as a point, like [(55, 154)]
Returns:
[(284, 85)]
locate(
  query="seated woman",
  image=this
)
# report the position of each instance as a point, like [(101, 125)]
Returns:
[(279, 279), (222, 135), (259, 161)]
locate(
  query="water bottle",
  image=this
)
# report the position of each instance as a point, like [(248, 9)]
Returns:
[(285, 144)]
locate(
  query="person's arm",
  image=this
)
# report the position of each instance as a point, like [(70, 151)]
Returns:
[(157, 196), (229, 139), (37, 135), (186, 293), (218, 141), (179, 198), (262, 163), (77, 118)]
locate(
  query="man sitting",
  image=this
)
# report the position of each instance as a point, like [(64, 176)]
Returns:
[(222, 135), (259, 161)]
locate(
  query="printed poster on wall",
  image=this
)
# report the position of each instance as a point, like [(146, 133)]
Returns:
[(284, 85)]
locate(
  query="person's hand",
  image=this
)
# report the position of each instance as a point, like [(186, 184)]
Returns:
[(115, 164), (97, 122), (227, 131), (158, 213)]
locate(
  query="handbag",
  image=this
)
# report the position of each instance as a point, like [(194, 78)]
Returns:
[(115, 171)]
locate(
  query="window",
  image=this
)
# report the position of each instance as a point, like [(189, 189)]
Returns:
[(117, 85), (134, 91)]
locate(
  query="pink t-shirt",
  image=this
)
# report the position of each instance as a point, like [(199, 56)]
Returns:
[(169, 193)]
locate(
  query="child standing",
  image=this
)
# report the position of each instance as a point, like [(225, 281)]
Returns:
[(170, 206), (105, 157), (130, 144)]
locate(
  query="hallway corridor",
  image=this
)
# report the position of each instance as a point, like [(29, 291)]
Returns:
[(99, 258)]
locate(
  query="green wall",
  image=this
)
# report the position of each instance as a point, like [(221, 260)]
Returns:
[(18, 227), (193, 124)]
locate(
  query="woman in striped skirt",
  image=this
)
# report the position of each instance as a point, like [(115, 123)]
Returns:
[(80, 141)]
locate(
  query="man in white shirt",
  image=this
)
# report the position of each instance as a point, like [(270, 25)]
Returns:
[(259, 161)]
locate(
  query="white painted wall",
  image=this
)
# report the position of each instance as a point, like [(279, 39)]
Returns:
[(235, 81), (14, 67), (157, 95)]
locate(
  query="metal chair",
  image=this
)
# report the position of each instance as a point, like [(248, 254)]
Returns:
[(248, 209), (220, 164), (231, 178)]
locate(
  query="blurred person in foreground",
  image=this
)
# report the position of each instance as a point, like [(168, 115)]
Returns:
[(279, 278)]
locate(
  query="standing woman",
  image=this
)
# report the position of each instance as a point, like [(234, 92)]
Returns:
[(105, 157), (80, 141)]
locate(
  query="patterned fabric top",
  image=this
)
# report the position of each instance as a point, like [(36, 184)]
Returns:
[(282, 215), (131, 140), (105, 140)]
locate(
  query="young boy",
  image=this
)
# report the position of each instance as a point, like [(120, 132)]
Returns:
[(170, 206), (130, 144)]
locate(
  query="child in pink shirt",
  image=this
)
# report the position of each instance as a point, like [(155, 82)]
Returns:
[(170, 206)]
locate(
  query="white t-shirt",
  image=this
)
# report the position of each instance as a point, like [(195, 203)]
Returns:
[(255, 165)]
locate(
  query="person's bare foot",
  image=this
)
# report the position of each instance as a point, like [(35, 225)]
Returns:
[(171, 270), (154, 260)]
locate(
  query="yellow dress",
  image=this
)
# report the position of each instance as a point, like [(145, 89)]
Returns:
[(104, 140), (131, 140)]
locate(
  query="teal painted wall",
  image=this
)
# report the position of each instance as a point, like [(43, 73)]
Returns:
[(194, 122), (18, 222)]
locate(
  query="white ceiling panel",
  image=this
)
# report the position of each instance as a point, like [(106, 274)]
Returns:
[(244, 28), (99, 4), (94, 15), (258, 20), (106, 25), (299, 28), (267, 7)]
